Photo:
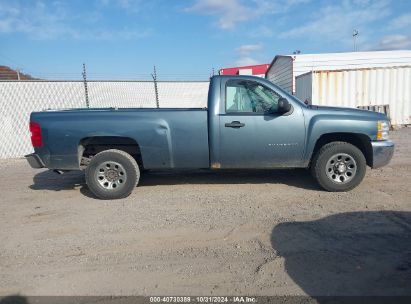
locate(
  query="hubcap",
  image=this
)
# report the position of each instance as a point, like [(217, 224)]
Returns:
[(341, 168), (111, 175)]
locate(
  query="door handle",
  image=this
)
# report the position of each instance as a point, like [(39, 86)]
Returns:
[(235, 124)]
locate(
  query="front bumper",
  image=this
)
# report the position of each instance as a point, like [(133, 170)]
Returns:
[(35, 161), (382, 152)]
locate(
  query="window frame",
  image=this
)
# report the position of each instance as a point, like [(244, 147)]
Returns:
[(227, 112)]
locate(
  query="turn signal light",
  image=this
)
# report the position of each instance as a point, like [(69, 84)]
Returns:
[(383, 128)]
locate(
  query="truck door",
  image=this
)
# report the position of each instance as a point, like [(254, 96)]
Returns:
[(252, 133)]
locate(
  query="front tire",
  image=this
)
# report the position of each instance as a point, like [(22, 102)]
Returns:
[(112, 174), (339, 166)]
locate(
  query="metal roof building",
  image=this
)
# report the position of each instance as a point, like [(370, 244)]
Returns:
[(285, 68), (255, 70)]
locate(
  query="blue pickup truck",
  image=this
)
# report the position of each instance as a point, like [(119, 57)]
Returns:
[(249, 123)]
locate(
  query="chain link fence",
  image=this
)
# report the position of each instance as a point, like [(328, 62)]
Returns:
[(19, 98)]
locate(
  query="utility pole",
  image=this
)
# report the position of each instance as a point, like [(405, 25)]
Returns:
[(154, 75), (355, 34), (212, 73), (85, 85)]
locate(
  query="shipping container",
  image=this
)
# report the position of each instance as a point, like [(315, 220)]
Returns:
[(284, 69), (360, 87)]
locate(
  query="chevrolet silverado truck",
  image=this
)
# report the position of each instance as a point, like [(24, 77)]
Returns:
[(249, 123)]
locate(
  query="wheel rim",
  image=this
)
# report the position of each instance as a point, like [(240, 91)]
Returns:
[(111, 175), (341, 168)]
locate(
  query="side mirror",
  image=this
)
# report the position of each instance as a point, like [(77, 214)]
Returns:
[(283, 105)]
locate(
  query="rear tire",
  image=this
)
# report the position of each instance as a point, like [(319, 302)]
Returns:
[(339, 166), (112, 174)]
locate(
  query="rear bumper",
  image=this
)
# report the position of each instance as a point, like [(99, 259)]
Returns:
[(35, 161), (382, 152)]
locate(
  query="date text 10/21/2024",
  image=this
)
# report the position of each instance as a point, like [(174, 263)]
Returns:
[(233, 299)]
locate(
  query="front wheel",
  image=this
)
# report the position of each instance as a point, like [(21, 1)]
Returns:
[(112, 174), (339, 166)]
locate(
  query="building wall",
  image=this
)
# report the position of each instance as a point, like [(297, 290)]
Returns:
[(303, 84), (255, 70), (281, 73), (20, 98), (304, 63), (360, 87)]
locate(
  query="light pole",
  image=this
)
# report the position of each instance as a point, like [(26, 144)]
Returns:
[(354, 37)]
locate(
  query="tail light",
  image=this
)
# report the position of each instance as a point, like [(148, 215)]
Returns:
[(36, 138)]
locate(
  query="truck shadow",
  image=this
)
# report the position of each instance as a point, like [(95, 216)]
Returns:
[(349, 254), (300, 178), (49, 180), (13, 299)]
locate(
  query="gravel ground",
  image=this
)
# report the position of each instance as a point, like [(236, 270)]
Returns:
[(207, 233)]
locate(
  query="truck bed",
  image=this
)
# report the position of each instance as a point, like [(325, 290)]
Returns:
[(168, 138)]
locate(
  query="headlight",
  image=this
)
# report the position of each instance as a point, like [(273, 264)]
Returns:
[(383, 128)]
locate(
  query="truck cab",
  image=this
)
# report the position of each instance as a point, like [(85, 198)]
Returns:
[(254, 124)]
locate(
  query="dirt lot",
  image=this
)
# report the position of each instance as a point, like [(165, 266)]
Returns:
[(202, 233)]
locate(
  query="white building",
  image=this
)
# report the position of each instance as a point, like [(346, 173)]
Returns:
[(348, 79)]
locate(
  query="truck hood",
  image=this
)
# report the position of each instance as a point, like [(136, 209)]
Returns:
[(349, 111)]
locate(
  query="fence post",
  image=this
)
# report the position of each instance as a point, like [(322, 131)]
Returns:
[(85, 85), (154, 75)]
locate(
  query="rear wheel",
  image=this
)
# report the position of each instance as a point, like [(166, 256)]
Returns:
[(339, 166), (112, 174)]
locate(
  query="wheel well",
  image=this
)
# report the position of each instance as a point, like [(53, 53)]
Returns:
[(90, 146), (361, 141)]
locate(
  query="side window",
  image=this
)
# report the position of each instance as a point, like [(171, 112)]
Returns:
[(238, 99), (250, 97)]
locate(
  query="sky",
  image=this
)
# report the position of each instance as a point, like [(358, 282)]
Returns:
[(187, 39)]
